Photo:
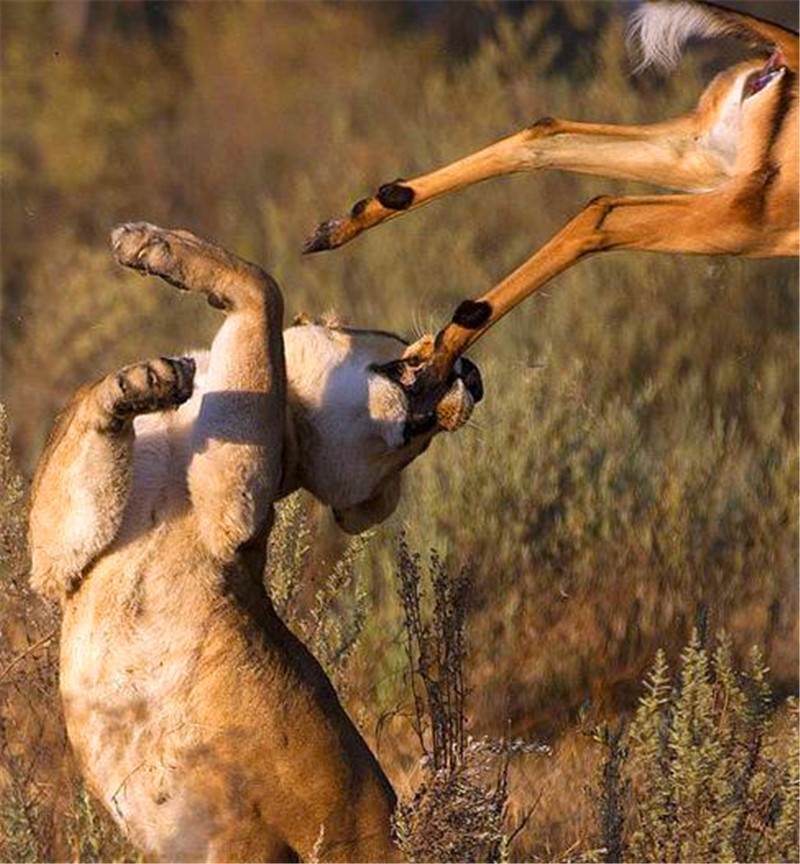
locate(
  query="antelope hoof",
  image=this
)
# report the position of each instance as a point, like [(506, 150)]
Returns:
[(327, 236)]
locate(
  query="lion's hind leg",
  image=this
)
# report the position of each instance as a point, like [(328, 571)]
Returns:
[(83, 479), (235, 467)]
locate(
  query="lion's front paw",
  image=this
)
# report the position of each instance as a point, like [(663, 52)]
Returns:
[(140, 245), (151, 386), (153, 250)]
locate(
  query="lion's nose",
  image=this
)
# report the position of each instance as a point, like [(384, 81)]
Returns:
[(471, 376)]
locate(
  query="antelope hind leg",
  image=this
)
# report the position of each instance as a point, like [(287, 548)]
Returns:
[(668, 154), (713, 223)]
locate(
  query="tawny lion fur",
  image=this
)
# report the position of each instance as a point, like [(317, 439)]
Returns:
[(206, 728)]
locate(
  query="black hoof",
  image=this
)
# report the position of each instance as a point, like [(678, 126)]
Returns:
[(322, 239)]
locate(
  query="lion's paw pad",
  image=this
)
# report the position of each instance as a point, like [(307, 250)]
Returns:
[(153, 385)]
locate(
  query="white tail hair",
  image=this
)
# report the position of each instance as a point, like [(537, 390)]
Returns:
[(658, 31)]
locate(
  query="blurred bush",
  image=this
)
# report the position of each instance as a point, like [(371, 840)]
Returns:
[(635, 458)]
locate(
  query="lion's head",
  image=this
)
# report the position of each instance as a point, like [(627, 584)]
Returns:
[(359, 412)]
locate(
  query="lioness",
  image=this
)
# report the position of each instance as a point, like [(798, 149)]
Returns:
[(203, 724)]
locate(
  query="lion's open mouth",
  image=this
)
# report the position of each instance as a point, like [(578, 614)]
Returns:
[(762, 78)]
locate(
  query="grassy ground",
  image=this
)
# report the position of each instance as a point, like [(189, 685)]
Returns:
[(633, 468)]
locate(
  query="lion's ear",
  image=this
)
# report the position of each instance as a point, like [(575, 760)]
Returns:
[(354, 520)]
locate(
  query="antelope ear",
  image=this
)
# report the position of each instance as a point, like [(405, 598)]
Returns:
[(354, 520)]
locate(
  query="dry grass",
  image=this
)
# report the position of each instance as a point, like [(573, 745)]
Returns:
[(634, 462), (458, 810)]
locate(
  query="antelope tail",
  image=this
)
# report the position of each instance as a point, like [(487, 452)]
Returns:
[(658, 30)]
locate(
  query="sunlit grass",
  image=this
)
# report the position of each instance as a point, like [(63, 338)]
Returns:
[(634, 463)]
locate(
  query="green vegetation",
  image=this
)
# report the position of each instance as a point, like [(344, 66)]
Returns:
[(634, 462), (708, 770)]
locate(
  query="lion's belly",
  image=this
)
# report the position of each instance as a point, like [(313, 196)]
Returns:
[(193, 711), (127, 674)]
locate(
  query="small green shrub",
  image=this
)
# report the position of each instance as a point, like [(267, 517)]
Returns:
[(708, 769)]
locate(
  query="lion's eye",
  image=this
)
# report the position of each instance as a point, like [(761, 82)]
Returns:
[(413, 360)]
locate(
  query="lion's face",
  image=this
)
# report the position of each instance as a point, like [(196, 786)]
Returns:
[(360, 412)]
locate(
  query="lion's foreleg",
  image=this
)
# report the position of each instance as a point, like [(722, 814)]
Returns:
[(83, 478), (235, 468)]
